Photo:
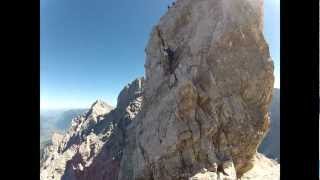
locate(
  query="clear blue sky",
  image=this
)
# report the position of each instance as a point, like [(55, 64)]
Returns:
[(90, 49)]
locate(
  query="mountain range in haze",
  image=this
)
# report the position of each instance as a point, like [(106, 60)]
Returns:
[(56, 121)]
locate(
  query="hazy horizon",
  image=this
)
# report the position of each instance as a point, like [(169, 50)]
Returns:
[(42, 109)]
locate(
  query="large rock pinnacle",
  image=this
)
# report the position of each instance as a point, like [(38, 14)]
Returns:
[(207, 102), (200, 113)]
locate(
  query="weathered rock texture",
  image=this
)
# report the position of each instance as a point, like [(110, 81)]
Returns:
[(205, 103), (92, 148), (212, 107)]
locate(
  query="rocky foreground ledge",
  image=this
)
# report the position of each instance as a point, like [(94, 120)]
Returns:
[(263, 169), (202, 109)]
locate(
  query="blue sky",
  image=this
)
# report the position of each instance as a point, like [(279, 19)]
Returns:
[(91, 49)]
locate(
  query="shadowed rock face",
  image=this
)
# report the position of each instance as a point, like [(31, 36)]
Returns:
[(213, 106)]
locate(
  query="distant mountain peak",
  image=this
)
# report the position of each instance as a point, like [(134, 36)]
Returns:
[(100, 107), (99, 103)]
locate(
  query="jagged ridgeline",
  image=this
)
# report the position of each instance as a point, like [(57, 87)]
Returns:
[(92, 147), (200, 113)]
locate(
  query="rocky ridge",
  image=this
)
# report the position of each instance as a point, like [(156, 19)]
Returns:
[(202, 108), (56, 121), (84, 151)]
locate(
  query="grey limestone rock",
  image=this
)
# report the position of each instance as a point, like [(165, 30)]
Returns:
[(202, 107), (216, 110)]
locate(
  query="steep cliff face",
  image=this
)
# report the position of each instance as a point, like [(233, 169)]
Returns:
[(203, 107), (92, 147), (209, 82)]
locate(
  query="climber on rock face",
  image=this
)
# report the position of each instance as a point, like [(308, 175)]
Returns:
[(170, 56), (169, 53), (166, 50)]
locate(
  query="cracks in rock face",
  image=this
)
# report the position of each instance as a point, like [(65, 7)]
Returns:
[(162, 129), (150, 166), (196, 155), (185, 169), (198, 122), (217, 138), (175, 81), (171, 59), (158, 131)]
